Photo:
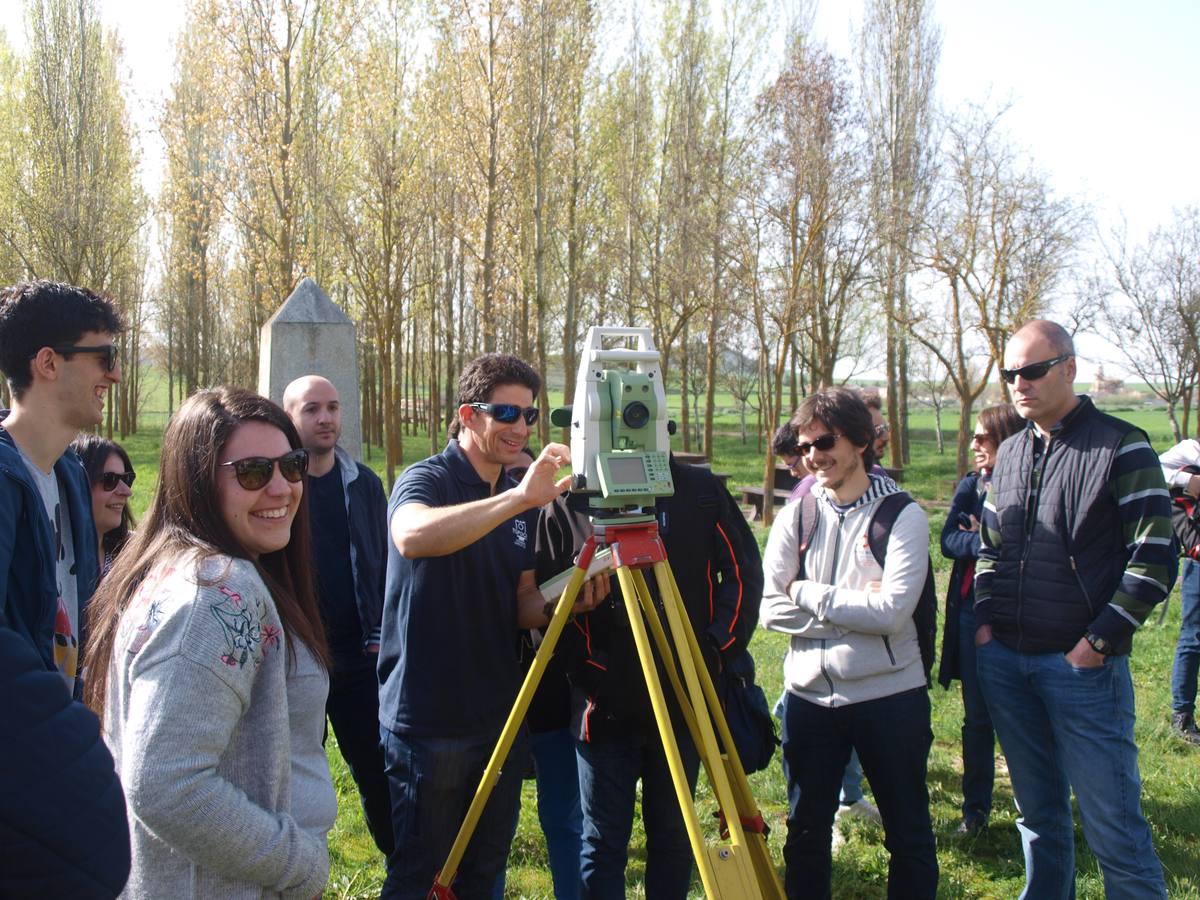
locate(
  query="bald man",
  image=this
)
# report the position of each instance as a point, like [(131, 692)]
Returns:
[(1076, 551), (349, 529)]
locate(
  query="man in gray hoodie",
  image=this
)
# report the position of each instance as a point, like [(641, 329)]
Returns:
[(853, 673)]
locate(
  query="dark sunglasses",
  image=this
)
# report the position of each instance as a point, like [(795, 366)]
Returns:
[(1033, 371), (254, 472), (110, 480), (823, 443), (107, 351), (507, 413), (981, 438)]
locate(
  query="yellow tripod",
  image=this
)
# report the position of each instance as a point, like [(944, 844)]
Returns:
[(739, 868)]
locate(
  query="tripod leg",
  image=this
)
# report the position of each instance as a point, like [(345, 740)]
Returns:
[(491, 774), (687, 705), (744, 803), (668, 656), (692, 664), (633, 585)]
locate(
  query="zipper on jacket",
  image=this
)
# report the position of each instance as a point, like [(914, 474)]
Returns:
[(887, 645), (1083, 589), (837, 546), (1030, 519)]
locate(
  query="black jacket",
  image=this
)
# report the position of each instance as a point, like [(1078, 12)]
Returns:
[(962, 547), (63, 831), (716, 563), (366, 511)]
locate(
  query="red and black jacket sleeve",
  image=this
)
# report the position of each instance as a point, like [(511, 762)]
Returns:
[(734, 576)]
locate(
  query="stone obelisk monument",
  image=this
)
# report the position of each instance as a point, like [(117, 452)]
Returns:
[(309, 335)]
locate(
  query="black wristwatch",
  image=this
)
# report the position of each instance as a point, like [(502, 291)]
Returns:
[(1101, 645)]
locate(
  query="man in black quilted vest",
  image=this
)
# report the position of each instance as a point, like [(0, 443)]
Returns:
[(1077, 550)]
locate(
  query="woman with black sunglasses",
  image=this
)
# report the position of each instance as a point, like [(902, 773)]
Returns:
[(111, 475), (210, 666)]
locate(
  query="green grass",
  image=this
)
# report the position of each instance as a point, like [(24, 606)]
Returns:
[(987, 866)]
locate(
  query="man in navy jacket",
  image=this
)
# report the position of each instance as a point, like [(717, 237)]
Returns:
[(56, 348), (63, 830)]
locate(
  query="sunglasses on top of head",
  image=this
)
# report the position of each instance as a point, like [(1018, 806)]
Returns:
[(1033, 371), (824, 443), (254, 472), (107, 352), (109, 480), (507, 413)]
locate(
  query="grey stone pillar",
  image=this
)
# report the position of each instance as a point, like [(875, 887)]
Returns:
[(310, 335)]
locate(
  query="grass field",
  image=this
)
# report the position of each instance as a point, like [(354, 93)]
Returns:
[(987, 866)]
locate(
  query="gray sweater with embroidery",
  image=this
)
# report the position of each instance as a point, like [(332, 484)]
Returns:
[(197, 721)]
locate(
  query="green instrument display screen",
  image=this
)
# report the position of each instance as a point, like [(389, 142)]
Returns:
[(627, 471), (633, 476)]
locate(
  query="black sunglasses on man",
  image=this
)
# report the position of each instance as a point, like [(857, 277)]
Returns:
[(1033, 371), (108, 352)]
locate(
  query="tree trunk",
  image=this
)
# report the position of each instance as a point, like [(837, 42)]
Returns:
[(893, 385), (902, 399), (964, 433), (1187, 408), (684, 418)]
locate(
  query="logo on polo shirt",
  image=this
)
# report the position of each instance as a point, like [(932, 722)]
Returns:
[(520, 533)]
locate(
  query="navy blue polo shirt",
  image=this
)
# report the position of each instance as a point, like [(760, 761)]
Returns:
[(448, 663)]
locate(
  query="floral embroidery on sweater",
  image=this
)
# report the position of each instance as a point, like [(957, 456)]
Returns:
[(244, 630)]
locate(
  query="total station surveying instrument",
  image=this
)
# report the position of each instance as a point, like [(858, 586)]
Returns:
[(620, 460)]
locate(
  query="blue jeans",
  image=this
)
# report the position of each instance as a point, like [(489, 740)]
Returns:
[(432, 782), (608, 774), (559, 810), (1061, 728), (978, 737), (852, 777), (1187, 649), (892, 736)]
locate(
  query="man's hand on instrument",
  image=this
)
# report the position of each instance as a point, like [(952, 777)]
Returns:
[(540, 486)]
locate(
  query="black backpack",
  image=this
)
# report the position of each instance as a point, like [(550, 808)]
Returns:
[(1184, 519), (878, 531)]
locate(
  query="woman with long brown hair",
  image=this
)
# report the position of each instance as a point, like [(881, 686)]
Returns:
[(208, 664)]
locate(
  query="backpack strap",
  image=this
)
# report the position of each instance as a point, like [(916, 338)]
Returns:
[(880, 529), (807, 520)]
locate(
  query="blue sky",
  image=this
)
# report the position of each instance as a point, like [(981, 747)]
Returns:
[(1104, 97), (1105, 94)]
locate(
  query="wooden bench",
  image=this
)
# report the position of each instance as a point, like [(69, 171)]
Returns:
[(690, 459), (753, 496)]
